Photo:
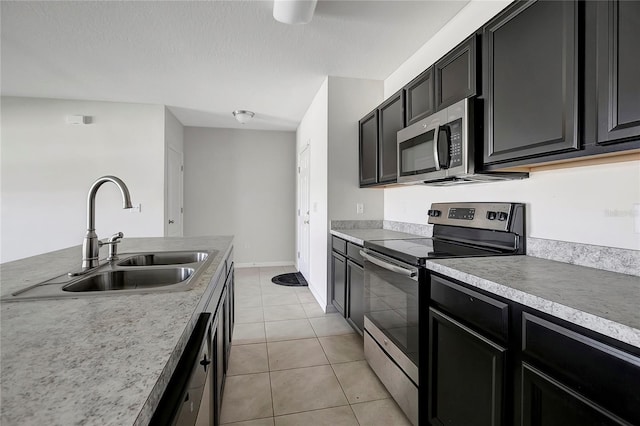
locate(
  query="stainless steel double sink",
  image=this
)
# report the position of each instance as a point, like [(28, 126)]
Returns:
[(135, 273)]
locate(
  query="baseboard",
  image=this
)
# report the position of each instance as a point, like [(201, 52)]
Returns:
[(264, 264)]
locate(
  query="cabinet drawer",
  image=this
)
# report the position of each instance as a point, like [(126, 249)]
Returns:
[(339, 245), (606, 375), (483, 313), (353, 253)]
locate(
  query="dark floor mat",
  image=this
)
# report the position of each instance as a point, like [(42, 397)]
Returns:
[(291, 279)]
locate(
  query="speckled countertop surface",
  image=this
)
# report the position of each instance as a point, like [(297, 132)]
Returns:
[(359, 236), (602, 301), (101, 360)]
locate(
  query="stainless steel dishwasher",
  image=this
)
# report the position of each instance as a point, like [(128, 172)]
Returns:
[(187, 400)]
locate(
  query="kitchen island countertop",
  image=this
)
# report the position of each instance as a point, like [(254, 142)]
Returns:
[(95, 360)]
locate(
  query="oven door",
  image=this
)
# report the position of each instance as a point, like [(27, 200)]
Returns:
[(391, 308)]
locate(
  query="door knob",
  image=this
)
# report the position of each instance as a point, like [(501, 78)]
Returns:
[(171, 221)]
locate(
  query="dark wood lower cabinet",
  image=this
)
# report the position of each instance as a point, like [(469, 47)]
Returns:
[(466, 375), (547, 402), (347, 282), (229, 317), (339, 281), (355, 285)]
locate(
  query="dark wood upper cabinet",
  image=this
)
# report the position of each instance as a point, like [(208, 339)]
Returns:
[(419, 99), (530, 79), (618, 69), (368, 149), (390, 120), (456, 74)]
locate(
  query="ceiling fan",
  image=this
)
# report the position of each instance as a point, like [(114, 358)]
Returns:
[(294, 12)]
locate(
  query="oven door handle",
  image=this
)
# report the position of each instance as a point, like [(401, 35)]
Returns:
[(389, 266)]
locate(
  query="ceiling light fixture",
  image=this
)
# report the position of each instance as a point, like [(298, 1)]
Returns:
[(243, 116), (294, 12)]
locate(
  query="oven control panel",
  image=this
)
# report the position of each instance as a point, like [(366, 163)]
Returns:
[(491, 216)]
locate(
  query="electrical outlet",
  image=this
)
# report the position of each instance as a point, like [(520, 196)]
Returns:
[(359, 208)]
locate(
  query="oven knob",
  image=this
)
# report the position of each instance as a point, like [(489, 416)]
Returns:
[(491, 215), (434, 213), (502, 216)]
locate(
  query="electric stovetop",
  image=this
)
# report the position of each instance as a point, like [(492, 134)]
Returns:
[(416, 251)]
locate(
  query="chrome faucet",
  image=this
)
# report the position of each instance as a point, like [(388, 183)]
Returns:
[(91, 245)]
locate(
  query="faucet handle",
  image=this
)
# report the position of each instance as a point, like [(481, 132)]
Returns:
[(112, 243), (116, 237)]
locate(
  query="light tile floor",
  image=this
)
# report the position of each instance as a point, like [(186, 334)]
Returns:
[(292, 364)]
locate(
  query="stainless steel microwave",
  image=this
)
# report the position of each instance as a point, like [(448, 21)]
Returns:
[(440, 149)]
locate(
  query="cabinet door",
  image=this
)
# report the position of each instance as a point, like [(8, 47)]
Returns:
[(228, 321), (546, 402), (456, 74), (419, 97), (390, 120), (368, 142), (530, 78), (219, 352), (618, 59), (355, 286), (338, 281), (466, 375)]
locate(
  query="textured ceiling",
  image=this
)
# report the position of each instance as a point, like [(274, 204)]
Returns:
[(205, 59)]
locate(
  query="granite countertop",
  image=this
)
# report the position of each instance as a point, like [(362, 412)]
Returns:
[(602, 301), (359, 236), (98, 360)]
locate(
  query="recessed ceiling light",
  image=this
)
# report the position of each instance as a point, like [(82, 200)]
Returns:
[(243, 116)]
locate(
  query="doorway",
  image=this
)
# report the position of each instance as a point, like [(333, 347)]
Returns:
[(303, 212), (175, 170)]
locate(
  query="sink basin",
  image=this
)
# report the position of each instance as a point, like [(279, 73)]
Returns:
[(166, 258), (137, 273), (131, 279)]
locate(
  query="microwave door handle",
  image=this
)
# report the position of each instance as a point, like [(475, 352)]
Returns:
[(388, 266), (436, 155)]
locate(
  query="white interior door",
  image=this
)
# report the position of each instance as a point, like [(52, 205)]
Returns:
[(303, 212), (174, 193)]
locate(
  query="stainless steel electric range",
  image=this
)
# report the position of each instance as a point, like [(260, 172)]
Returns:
[(395, 275)]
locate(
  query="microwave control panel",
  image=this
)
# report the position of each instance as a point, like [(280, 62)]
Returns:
[(455, 144)]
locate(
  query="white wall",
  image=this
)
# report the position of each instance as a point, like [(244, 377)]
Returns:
[(330, 126), (591, 204), (473, 16), (47, 167), (242, 183), (313, 130), (349, 100)]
